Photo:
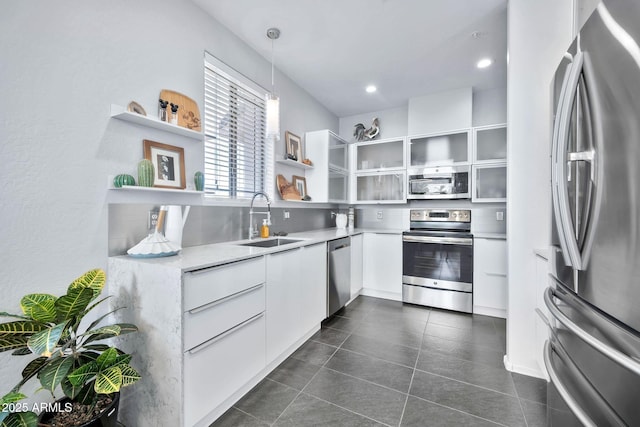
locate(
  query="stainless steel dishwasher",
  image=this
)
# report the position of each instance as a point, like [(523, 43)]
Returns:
[(339, 274)]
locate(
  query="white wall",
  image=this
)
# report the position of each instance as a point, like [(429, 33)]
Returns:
[(538, 33), (61, 66), (489, 107), (440, 112)]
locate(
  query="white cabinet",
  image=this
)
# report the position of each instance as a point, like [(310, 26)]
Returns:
[(202, 336), (490, 277), (311, 287), (356, 264), (489, 183), (490, 144), (379, 171), (489, 180), (439, 149), (283, 275), (296, 296), (328, 181), (382, 265)]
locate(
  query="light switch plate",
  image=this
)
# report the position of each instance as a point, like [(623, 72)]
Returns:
[(379, 215), (499, 216)]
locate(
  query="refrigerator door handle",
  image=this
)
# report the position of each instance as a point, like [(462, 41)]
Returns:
[(563, 211), (559, 144), (603, 407), (617, 356)]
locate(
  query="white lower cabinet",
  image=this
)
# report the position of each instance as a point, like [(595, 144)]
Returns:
[(207, 336), (296, 296), (382, 265), (490, 277), (215, 370), (356, 264)]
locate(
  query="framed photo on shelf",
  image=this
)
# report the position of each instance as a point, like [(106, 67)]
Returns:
[(168, 161), (300, 182), (294, 146)]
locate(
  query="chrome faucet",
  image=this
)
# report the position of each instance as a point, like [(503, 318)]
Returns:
[(253, 230)]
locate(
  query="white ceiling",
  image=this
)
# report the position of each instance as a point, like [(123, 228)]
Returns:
[(407, 48)]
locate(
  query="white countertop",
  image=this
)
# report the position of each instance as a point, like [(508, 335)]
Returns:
[(198, 257)]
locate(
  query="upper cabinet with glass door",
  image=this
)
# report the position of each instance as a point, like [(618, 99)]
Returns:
[(384, 154), (439, 149), (490, 144), (379, 171), (328, 181)]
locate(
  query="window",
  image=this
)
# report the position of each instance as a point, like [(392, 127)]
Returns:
[(237, 159)]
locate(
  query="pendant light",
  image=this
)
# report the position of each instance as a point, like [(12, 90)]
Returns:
[(273, 102)]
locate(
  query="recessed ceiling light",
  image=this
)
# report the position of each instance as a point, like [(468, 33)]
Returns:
[(371, 89), (484, 63)]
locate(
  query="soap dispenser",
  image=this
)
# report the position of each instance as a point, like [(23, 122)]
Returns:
[(264, 230)]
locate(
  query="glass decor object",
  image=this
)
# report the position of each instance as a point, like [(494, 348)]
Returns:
[(123, 179), (198, 179), (146, 173)]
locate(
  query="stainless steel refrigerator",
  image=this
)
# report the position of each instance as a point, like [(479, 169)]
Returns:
[(593, 351)]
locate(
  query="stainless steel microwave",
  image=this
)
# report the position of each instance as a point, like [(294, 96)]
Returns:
[(441, 182)]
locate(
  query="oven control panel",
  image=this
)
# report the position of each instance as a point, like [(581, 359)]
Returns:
[(444, 215)]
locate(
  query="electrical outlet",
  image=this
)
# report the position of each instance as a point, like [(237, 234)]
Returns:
[(379, 215), (499, 216), (153, 219), (287, 215)]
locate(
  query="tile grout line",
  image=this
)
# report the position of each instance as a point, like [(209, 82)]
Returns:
[(458, 410), (248, 414), (413, 373), (309, 382)]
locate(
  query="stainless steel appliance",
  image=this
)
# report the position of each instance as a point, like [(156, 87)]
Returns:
[(339, 274), (593, 351), (442, 182), (437, 259)]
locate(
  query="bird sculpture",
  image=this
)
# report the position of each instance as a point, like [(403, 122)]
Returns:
[(361, 133)]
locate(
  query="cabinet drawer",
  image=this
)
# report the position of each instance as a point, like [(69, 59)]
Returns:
[(205, 286), (217, 369), (206, 322)]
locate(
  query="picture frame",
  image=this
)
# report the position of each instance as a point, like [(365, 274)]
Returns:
[(300, 182), (293, 146), (168, 161)]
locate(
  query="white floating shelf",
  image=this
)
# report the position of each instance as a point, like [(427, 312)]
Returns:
[(294, 164), (155, 189), (120, 113)]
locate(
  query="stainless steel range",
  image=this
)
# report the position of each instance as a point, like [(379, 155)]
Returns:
[(437, 253)]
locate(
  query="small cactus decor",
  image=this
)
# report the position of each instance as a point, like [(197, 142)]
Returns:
[(146, 173), (198, 179), (123, 179)]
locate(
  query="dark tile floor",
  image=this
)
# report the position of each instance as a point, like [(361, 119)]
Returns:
[(380, 362)]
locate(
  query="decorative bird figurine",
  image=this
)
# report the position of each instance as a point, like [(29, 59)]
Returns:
[(361, 133), (373, 131), (358, 132)]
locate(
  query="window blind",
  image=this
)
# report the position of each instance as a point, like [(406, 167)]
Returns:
[(237, 160)]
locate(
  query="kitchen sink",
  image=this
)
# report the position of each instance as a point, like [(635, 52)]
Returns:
[(270, 243)]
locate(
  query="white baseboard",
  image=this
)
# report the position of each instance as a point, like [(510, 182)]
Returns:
[(524, 370), (488, 311), (395, 296)]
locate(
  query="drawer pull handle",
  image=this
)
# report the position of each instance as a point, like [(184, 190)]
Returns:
[(220, 336), (224, 299), (221, 266), (495, 274)]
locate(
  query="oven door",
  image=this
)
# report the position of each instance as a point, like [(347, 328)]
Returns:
[(438, 260)]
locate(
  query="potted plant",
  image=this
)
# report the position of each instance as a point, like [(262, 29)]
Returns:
[(89, 373)]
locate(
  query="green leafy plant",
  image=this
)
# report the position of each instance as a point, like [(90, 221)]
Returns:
[(75, 360)]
